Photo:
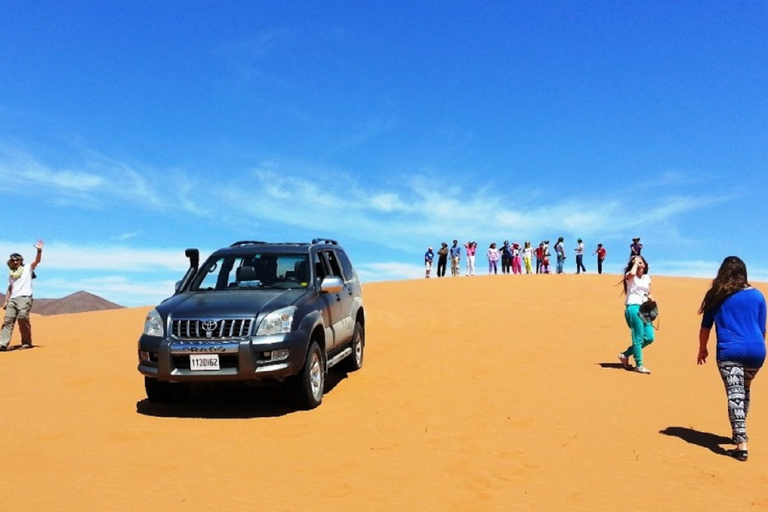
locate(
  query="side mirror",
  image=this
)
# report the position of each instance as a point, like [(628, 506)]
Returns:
[(331, 284)]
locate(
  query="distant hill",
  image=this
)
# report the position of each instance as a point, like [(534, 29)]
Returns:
[(78, 302)]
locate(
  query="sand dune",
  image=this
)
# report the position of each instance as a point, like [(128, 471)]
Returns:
[(484, 393)]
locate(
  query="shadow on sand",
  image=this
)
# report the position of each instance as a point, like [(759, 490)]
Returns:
[(612, 366), (229, 401), (704, 439)]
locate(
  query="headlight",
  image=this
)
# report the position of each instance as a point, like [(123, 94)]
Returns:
[(277, 322), (153, 324)]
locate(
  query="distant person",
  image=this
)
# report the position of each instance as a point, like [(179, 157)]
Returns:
[(429, 256), (545, 254), (455, 259), (18, 299), (739, 312), (506, 257), (528, 257), (471, 249), (539, 253), (516, 266), (637, 288), (442, 259), (635, 248), (560, 255), (600, 251), (580, 256), (493, 259)]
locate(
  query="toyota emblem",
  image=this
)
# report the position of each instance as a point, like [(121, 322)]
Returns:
[(209, 326)]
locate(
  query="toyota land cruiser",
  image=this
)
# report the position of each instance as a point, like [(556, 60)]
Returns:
[(256, 311)]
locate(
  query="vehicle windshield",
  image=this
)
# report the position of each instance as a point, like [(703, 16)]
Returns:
[(253, 271)]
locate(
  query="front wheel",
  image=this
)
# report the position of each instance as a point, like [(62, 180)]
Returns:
[(307, 386)]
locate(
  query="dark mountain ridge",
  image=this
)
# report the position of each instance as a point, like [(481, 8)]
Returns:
[(78, 302)]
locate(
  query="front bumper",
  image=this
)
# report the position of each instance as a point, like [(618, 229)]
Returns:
[(247, 359)]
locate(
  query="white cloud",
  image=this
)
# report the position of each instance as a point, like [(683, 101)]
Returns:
[(109, 258)]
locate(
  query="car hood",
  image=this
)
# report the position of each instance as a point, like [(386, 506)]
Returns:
[(228, 303)]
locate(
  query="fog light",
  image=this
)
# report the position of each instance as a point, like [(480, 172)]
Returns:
[(279, 355), (143, 355)]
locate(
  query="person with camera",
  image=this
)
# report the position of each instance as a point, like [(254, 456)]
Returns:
[(18, 299), (637, 288), (739, 312)]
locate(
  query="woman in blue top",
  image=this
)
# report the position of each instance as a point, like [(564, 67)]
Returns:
[(738, 311)]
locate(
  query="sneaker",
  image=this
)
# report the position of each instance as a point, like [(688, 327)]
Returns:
[(3, 348), (643, 370), (625, 362), (25, 346)]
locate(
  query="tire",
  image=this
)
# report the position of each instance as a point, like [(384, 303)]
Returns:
[(307, 387), (355, 360), (165, 392)]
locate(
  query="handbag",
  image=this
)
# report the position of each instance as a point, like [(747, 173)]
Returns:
[(649, 311)]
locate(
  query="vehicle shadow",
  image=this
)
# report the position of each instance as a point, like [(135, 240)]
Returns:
[(706, 440), (233, 401)]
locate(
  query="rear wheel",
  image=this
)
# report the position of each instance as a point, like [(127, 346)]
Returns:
[(165, 392), (307, 387), (355, 360)]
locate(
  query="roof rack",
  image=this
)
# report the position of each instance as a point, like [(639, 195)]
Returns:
[(247, 242), (328, 241)]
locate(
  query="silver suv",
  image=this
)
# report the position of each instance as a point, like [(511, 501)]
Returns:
[(256, 311)]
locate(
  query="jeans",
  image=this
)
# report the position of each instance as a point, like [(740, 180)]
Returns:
[(580, 263), (560, 261), (642, 333)]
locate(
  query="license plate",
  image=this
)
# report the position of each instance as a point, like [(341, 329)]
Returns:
[(204, 362)]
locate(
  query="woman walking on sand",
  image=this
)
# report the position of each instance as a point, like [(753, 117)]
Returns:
[(739, 312), (637, 288)]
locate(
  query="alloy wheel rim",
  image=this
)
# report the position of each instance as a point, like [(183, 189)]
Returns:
[(316, 376)]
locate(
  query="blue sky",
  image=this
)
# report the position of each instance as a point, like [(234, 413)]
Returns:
[(130, 131)]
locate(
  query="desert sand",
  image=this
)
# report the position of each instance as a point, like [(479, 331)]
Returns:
[(477, 394)]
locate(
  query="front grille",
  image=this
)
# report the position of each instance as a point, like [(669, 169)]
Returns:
[(209, 329)]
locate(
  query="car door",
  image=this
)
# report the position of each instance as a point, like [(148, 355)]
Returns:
[(332, 302), (345, 324)]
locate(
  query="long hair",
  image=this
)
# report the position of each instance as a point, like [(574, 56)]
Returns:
[(731, 278), (629, 267)]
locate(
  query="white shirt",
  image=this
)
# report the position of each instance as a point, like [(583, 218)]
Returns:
[(22, 287), (638, 289)]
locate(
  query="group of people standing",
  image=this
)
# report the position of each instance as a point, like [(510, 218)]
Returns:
[(511, 257)]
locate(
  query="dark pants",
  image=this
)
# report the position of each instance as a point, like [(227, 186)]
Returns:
[(506, 264), (441, 263), (600, 265)]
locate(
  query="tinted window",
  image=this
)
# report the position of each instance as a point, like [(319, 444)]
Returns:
[(346, 265), (333, 263), (259, 270)]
